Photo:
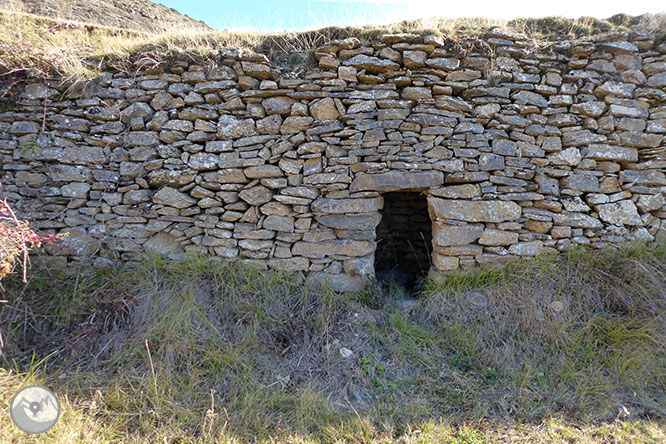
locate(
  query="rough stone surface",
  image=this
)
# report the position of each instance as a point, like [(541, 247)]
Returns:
[(350, 222), (173, 198), (396, 180), (623, 212), (324, 109), (547, 147), (492, 237), (256, 195), (344, 206), (609, 152), (474, 211), (448, 235)]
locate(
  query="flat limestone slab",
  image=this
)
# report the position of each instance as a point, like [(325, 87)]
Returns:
[(474, 210), (396, 180)]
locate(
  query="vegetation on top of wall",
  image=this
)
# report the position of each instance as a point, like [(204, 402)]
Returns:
[(39, 45), (561, 348)]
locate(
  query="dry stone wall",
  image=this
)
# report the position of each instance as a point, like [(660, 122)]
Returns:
[(520, 148)]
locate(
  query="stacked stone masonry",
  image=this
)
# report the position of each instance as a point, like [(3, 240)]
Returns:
[(520, 148)]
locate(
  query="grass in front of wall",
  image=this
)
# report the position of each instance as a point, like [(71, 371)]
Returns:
[(203, 350), (40, 46)]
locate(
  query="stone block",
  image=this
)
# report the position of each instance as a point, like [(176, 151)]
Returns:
[(279, 223), (256, 195), (349, 222), (173, 198), (344, 206), (610, 152), (492, 237), (340, 247), (445, 263), (448, 235), (474, 211), (396, 180), (623, 212)]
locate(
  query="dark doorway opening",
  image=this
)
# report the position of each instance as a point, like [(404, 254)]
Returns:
[(404, 240)]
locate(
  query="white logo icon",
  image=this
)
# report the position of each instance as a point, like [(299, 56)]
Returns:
[(35, 409)]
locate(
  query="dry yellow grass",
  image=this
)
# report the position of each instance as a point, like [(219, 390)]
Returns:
[(46, 46), (74, 50)]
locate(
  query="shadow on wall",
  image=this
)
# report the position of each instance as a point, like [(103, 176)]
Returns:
[(404, 240)]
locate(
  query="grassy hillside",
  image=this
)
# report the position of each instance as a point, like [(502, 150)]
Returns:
[(135, 15), (560, 349), (49, 39)]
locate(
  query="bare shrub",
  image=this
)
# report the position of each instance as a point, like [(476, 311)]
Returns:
[(17, 238)]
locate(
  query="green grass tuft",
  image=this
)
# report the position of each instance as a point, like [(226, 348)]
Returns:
[(205, 350)]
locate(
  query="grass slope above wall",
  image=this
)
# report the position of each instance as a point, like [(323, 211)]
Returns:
[(46, 38)]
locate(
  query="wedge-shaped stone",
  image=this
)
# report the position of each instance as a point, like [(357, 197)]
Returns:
[(453, 104), (474, 211), (257, 195), (324, 109), (648, 203), (278, 105), (530, 98), (570, 156), (295, 124), (657, 80), (173, 198), (618, 89), (396, 180), (279, 223)]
